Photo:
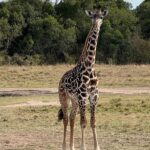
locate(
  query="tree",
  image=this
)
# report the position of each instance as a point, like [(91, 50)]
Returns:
[(35, 31), (143, 12), (141, 50)]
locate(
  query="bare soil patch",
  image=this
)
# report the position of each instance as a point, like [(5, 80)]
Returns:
[(46, 91), (126, 90), (26, 91), (32, 103), (37, 91)]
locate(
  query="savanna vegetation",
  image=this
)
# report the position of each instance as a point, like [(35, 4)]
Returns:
[(48, 76), (122, 123), (29, 122), (34, 32)]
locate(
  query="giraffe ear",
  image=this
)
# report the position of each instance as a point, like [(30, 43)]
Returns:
[(105, 13), (89, 13)]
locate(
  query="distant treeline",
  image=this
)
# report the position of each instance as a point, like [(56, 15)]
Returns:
[(36, 32)]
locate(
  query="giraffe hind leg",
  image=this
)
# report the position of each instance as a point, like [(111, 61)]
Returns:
[(63, 114), (72, 121)]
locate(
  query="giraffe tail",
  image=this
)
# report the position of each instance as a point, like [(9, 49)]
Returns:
[(60, 115)]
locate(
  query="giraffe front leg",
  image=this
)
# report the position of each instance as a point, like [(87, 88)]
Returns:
[(96, 146), (83, 122), (93, 99)]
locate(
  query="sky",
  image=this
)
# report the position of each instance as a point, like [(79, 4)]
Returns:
[(134, 3)]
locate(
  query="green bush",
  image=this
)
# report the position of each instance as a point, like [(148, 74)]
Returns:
[(4, 58)]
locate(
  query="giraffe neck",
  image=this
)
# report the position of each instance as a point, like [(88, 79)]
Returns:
[(89, 51)]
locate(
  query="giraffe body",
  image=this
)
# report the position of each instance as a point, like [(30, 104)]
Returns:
[(77, 83), (80, 84)]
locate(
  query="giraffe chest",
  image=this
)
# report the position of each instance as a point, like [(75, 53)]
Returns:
[(89, 78), (80, 80)]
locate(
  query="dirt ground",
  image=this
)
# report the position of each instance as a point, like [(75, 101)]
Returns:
[(43, 140), (49, 137), (31, 91), (39, 91)]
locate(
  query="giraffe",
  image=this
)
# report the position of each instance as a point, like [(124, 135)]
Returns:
[(80, 84)]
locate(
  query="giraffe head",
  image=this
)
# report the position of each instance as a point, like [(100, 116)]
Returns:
[(97, 14)]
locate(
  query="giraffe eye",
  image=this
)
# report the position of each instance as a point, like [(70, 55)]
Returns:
[(95, 16)]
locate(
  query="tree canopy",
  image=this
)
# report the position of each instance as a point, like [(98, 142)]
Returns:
[(36, 32)]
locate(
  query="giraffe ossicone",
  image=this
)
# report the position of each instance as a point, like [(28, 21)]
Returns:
[(80, 84)]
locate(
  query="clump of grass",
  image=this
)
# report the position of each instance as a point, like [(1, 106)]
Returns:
[(117, 105), (113, 105)]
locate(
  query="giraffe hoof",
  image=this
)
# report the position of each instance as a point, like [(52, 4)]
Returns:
[(97, 148), (72, 148)]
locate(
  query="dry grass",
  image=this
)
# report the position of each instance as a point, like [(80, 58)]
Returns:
[(49, 76), (122, 121)]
